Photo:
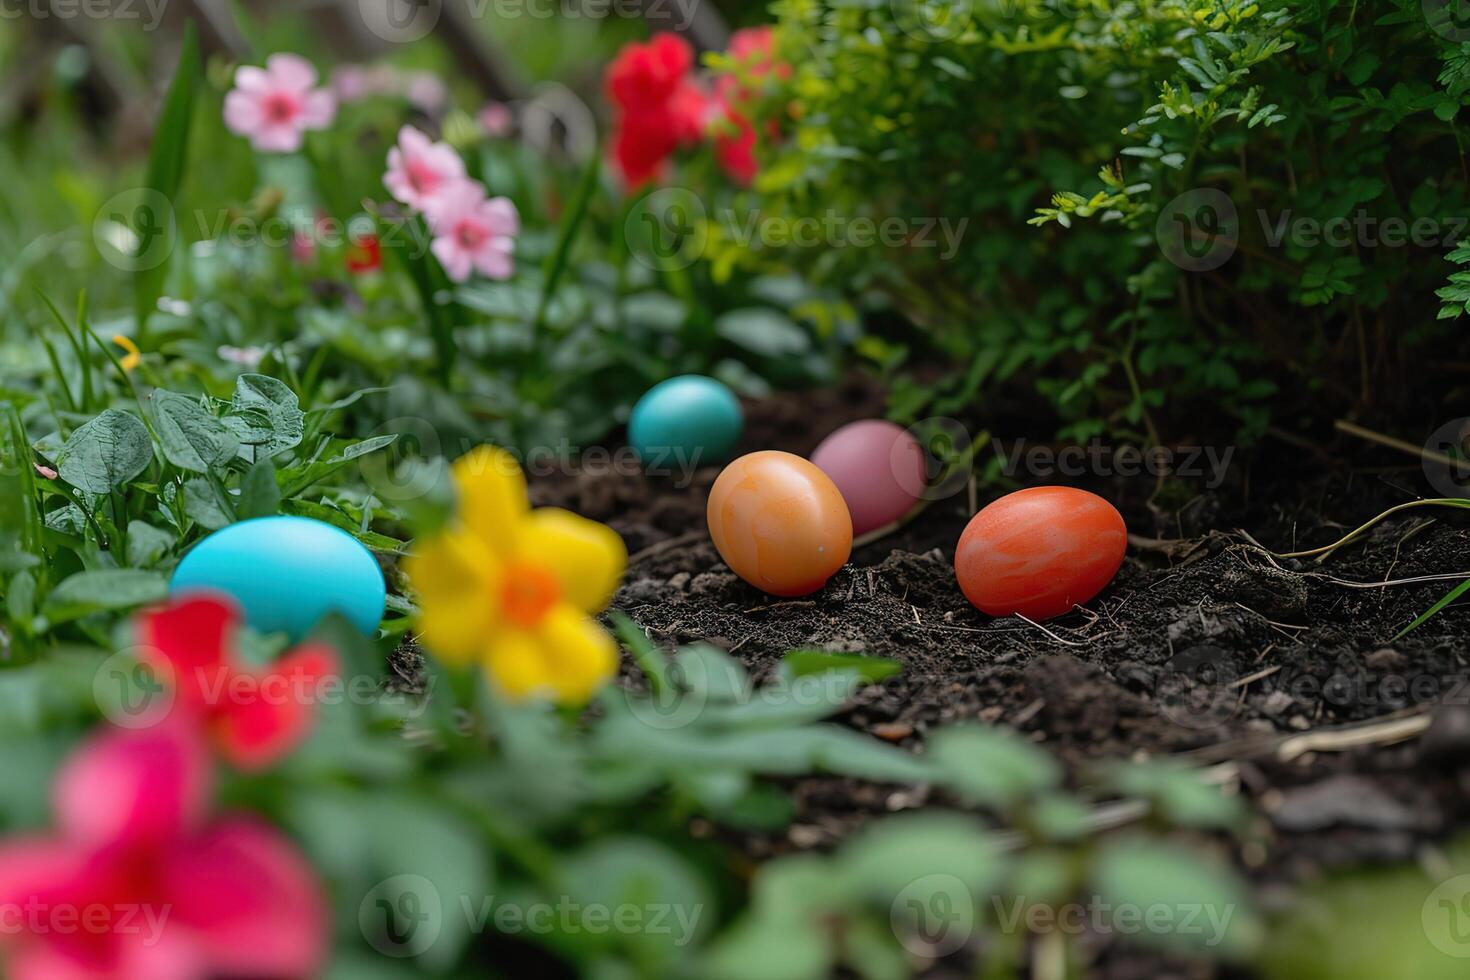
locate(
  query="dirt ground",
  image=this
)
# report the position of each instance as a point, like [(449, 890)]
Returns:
[(1205, 645)]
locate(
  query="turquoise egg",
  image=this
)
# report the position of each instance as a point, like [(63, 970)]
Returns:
[(684, 423), (287, 573)]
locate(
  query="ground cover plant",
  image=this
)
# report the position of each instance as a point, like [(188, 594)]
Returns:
[(433, 541)]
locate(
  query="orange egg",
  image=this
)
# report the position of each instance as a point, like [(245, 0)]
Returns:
[(780, 523), (1039, 551)]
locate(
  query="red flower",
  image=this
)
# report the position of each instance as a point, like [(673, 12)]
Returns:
[(658, 107), (754, 49), (136, 883), (364, 254), (645, 75), (253, 716)]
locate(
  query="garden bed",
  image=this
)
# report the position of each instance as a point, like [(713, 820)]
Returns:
[(1205, 646)]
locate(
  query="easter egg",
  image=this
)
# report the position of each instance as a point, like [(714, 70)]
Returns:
[(779, 523), (1039, 551), (685, 422), (287, 573), (879, 468)]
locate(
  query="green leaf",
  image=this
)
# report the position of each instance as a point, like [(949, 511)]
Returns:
[(771, 948), (147, 544), (266, 414), (993, 766), (1177, 793), (166, 164), (203, 506), (422, 847), (803, 663), (191, 438), (1190, 905), (105, 453), (900, 851), (259, 494), (763, 331), (20, 598), (107, 589), (637, 873)]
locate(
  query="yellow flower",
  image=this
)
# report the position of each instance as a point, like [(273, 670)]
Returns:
[(512, 589), (133, 357)]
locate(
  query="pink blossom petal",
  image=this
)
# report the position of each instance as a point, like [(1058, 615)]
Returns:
[(242, 112), (147, 950), (249, 900), (249, 78), (443, 158), (278, 139), (413, 140), (34, 866), (458, 199), (138, 786), (319, 109), (291, 71), (494, 262), (502, 216), (456, 261)]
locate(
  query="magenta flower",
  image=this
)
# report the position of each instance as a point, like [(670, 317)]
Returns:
[(275, 105), (472, 234), (136, 884), (419, 170)]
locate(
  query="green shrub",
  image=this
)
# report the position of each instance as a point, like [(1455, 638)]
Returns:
[(1089, 147)]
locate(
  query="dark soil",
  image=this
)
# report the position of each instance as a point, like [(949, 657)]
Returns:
[(1205, 644)]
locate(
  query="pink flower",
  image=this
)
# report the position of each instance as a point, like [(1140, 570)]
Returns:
[(496, 119), (251, 715), (420, 170), (46, 471), (472, 233), (426, 92), (136, 883), (275, 105)]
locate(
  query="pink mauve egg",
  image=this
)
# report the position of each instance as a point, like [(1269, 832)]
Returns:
[(878, 467)]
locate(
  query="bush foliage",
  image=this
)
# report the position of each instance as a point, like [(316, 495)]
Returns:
[(1066, 131)]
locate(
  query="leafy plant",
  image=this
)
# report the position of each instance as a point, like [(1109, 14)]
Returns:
[(1086, 147)]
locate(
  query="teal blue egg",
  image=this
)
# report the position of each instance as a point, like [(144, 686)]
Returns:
[(684, 423), (287, 573)]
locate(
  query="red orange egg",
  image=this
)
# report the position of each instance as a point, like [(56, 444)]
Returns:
[(779, 522), (1040, 551)]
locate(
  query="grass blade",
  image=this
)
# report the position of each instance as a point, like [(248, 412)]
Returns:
[(407, 242), (556, 262), (166, 167), (1433, 610)]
